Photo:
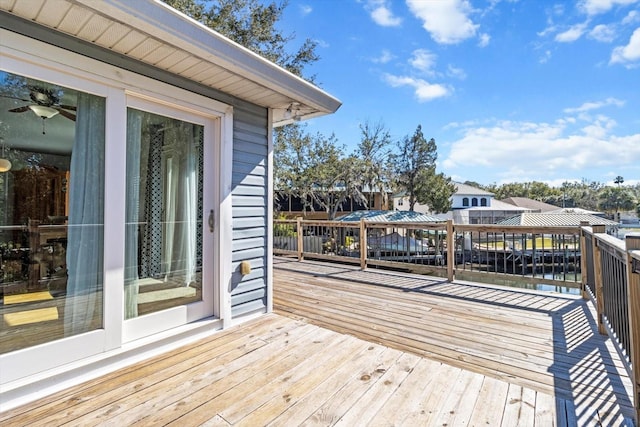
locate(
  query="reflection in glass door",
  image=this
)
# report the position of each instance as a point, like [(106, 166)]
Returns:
[(164, 235), (52, 142)]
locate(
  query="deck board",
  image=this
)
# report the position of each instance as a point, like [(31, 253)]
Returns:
[(350, 347)]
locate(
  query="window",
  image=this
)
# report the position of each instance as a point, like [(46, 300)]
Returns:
[(465, 201), (51, 212), (483, 201), (163, 246), (474, 201)]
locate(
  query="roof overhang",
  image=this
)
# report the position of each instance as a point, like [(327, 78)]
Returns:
[(156, 34)]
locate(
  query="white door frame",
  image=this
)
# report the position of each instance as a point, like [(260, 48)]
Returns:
[(170, 318), (28, 57)]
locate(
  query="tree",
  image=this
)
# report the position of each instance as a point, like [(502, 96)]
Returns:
[(533, 190), (316, 170), (416, 155), (252, 24), (435, 190), (583, 194), (618, 180), (372, 156), (615, 199), (291, 157)]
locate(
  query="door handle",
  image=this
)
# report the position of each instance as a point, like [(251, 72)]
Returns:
[(212, 220)]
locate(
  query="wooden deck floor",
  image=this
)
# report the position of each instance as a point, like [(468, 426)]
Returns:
[(369, 348), (545, 343)]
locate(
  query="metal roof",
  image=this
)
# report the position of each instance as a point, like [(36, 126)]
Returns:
[(154, 33), (525, 202), (467, 190), (389, 216), (556, 219), (575, 211)]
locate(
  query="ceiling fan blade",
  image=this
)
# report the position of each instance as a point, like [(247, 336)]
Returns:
[(15, 97), (19, 109), (66, 114), (68, 107)]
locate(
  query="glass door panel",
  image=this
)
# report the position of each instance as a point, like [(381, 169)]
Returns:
[(164, 212), (52, 142)]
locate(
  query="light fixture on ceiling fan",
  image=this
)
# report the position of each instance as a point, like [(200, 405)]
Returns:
[(44, 113), (5, 164)]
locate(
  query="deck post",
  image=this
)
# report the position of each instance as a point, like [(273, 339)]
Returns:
[(451, 251), (300, 239), (363, 244), (597, 271), (583, 260), (632, 242)]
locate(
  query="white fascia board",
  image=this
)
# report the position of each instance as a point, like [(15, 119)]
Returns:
[(157, 19)]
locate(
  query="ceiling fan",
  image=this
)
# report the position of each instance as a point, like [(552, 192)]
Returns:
[(45, 104)]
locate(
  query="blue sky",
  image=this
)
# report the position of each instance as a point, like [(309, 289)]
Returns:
[(511, 90)]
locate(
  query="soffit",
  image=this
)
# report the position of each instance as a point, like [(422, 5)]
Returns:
[(151, 32)]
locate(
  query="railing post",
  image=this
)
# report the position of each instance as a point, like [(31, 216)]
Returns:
[(300, 238), (633, 282), (597, 271), (363, 244), (451, 251), (583, 260)]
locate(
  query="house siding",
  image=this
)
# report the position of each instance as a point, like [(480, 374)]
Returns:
[(249, 207), (249, 174)]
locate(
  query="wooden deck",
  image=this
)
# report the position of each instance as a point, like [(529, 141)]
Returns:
[(369, 348)]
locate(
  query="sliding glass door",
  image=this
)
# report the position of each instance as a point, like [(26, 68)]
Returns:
[(168, 239), (52, 144)]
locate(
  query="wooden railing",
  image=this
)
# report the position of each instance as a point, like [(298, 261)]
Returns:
[(614, 288), (525, 256), (582, 258)]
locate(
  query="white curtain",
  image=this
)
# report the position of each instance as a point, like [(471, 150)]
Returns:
[(83, 306), (134, 136), (181, 201)]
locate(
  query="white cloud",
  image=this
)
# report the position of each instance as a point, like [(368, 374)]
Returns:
[(588, 106), (550, 29), (380, 11), (572, 34), (423, 90), (595, 7), (484, 40), (603, 33), (456, 72), (631, 18), (447, 21), (385, 57), (423, 60), (545, 57), (305, 9), (629, 53), (545, 148)]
